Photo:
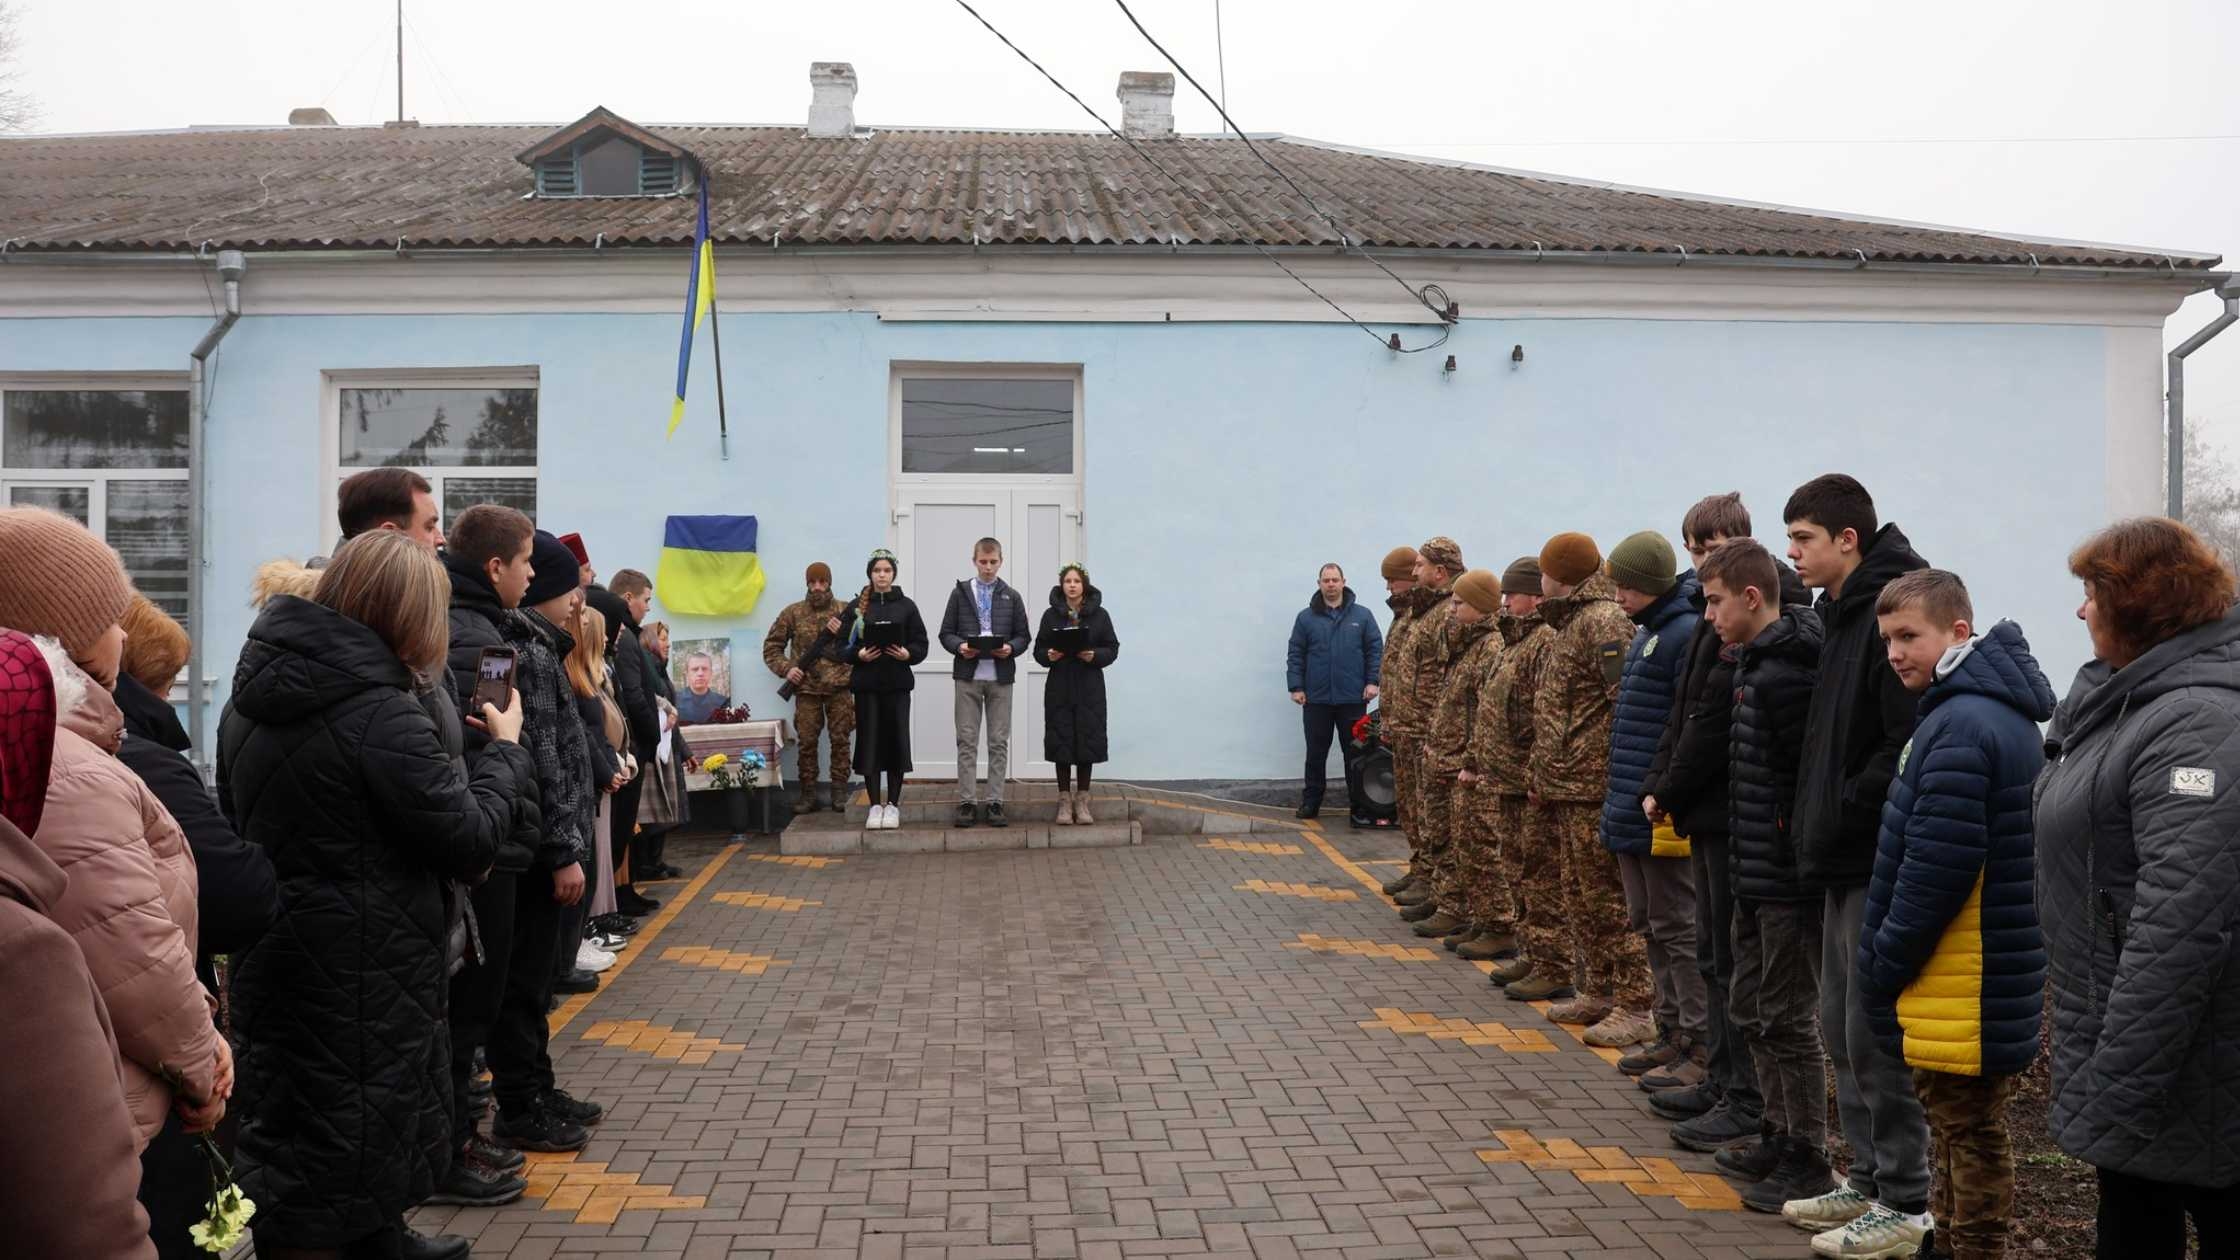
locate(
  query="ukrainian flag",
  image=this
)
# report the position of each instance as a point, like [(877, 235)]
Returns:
[(709, 567), (699, 297)]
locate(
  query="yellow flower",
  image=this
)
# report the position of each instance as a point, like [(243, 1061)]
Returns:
[(715, 761)]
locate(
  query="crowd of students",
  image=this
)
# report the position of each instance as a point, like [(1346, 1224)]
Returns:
[(400, 881), (1741, 833)]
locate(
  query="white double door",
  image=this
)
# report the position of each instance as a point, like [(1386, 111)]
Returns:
[(935, 528)]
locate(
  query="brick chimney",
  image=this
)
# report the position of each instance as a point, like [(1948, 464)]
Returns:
[(832, 99), (1146, 105)]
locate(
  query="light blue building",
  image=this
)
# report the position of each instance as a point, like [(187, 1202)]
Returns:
[(1082, 345)]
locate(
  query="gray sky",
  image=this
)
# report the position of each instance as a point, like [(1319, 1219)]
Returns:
[(2055, 117)]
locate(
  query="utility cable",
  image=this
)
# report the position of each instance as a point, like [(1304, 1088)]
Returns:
[(1345, 238), (1244, 233)]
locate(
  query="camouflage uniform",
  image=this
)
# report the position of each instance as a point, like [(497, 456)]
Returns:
[(822, 702), (1500, 740), (1472, 650), (1570, 772), (1972, 1190), (1427, 680), (1394, 717)]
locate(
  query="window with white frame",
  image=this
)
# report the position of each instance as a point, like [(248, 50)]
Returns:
[(473, 436), (111, 453), (981, 421)]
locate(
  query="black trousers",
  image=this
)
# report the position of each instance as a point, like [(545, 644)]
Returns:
[(520, 1063), (175, 1189), (478, 991), (2146, 1220), (1726, 1058), (625, 817), (1323, 722)]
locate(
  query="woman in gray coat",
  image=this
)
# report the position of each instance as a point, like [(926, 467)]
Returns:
[(2138, 832)]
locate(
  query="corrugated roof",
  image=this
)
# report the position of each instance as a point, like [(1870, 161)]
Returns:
[(436, 186)]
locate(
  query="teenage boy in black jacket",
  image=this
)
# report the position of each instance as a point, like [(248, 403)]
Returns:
[(984, 604), (1861, 716)]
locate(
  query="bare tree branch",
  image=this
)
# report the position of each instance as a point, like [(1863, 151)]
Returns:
[(2212, 494), (17, 110)]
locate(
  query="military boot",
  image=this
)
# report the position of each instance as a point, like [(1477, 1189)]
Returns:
[(1488, 946), (1509, 972), (1582, 1009), (1400, 883), (1418, 911), (1461, 936), (1539, 986), (1439, 924), (1415, 894)]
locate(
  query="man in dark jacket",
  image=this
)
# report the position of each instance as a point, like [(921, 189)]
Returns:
[(984, 607), (1653, 860), (1861, 716), (1331, 669), (1774, 1000), (1951, 966)]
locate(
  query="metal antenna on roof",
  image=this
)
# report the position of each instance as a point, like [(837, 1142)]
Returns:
[(1220, 54), (400, 60)]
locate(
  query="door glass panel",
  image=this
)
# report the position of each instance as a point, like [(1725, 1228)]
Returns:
[(95, 428), (461, 493), (75, 502), (147, 524), (423, 428), (983, 426)]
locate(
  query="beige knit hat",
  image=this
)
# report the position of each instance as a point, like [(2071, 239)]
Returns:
[(1479, 589), (58, 579)]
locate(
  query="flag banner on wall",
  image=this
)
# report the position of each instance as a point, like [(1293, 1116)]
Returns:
[(699, 299), (709, 567)]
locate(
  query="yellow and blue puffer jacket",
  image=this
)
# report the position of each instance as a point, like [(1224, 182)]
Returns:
[(1952, 967)]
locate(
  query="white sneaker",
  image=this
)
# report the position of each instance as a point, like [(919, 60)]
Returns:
[(875, 818), (1879, 1234), (894, 817), (1836, 1208), (590, 957)]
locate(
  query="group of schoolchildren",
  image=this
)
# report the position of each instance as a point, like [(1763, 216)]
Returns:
[(1737, 833)]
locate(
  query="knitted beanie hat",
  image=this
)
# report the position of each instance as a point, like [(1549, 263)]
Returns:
[(1479, 589), (1644, 562), (574, 544), (57, 579), (1399, 563), (553, 570), (1570, 558), (818, 572), (882, 554), (1522, 576), (1442, 551)]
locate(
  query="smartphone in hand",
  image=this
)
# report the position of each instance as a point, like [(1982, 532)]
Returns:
[(493, 679)]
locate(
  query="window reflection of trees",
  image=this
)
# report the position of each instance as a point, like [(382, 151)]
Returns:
[(504, 433)]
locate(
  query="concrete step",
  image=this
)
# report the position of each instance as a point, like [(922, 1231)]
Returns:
[(827, 841)]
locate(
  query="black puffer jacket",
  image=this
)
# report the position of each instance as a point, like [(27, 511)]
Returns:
[(552, 731), (328, 763), (235, 894), (1073, 708), (886, 673), (1773, 690), (478, 621), (1861, 716), (1689, 776)]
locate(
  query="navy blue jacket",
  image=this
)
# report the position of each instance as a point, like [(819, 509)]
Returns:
[(1654, 662), (1335, 652), (1773, 681), (1952, 969)]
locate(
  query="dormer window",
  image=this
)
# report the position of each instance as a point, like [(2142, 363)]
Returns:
[(605, 155)]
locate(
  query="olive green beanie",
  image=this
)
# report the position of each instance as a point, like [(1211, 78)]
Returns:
[(1644, 562)]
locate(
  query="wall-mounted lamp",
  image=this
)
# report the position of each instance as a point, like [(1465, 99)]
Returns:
[(1516, 357)]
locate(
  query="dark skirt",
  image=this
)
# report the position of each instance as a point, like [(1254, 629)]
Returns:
[(882, 732)]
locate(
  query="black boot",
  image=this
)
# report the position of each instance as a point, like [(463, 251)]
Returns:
[(468, 1186), (538, 1129), (415, 1245), (1751, 1162), (495, 1156), (1803, 1173)]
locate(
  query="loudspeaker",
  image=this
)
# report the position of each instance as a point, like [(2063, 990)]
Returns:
[(1369, 785)]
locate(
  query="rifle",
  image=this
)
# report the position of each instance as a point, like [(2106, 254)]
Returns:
[(817, 647)]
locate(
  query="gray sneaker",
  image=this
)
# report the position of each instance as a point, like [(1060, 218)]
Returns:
[(1716, 1129)]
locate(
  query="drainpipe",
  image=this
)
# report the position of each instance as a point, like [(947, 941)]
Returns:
[(2230, 292), (231, 263)]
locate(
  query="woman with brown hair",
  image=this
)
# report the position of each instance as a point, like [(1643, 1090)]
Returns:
[(882, 683), (612, 766), (2137, 816), (328, 761)]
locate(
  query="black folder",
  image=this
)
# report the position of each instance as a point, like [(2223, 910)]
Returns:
[(882, 634)]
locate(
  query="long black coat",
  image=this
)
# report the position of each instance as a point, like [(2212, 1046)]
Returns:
[(328, 763), (1073, 708)]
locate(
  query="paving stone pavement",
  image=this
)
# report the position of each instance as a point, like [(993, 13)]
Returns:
[(1086, 1055)]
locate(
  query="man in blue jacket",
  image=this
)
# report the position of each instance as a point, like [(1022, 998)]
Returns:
[(1952, 966), (1335, 660)]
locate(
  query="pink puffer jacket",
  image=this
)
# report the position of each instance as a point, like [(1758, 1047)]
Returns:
[(130, 904)]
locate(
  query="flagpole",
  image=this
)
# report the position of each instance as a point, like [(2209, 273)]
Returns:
[(715, 331)]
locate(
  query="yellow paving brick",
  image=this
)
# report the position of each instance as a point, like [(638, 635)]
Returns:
[(1645, 1176), (723, 959), (594, 1195), (764, 901), (658, 1040), (1426, 1024), (810, 863), (1266, 848), (1362, 949), (1315, 892)]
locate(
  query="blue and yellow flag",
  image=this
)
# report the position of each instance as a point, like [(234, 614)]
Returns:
[(709, 567), (699, 297)]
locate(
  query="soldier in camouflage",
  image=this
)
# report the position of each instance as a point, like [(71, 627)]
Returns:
[(1500, 743), (821, 700), (1399, 572), (1569, 775), (1473, 649), (1423, 679)]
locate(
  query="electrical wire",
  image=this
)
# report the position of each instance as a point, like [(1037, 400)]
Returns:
[(1244, 233), (1345, 238)]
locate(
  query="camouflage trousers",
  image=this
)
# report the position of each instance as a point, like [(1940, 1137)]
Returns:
[(1614, 958), (812, 716), (1544, 936), (1437, 860), (1484, 848), (1404, 776), (1972, 1164)]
